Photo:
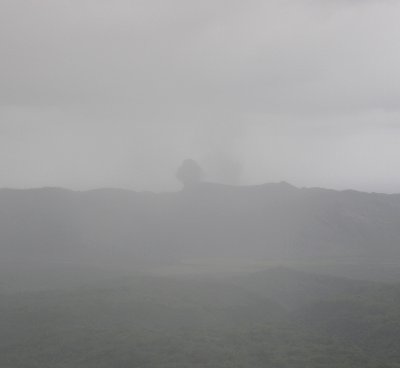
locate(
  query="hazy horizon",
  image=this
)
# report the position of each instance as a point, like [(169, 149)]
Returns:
[(195, 184), (97, 94), (179, 188)]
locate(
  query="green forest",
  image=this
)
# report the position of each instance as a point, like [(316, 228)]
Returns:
[(279, 318)]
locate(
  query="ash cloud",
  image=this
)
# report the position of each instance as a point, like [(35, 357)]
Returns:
[(116, 94)]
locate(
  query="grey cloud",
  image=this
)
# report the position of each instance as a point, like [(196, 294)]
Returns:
[(265, 55), (131, 88)]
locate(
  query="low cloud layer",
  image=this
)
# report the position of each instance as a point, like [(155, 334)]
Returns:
[(99, 93)]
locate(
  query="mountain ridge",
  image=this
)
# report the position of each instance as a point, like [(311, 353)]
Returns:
[(270, 221)]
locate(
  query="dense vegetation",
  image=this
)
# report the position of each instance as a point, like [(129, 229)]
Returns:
[(65, 302), (275, 318)]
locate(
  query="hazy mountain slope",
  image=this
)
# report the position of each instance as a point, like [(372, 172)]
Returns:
[(294, 289), (273, 221), (203, 322), (142, 321)]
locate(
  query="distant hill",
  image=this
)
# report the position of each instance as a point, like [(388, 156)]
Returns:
[(271, 221)]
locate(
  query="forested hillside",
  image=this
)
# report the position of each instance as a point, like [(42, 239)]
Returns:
[(274, 222), (113, 278), (285, 319)]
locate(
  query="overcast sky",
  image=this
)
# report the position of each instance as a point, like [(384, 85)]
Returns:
[(100, 93)]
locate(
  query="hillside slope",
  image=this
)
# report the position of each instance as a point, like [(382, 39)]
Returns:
[(272, 221)]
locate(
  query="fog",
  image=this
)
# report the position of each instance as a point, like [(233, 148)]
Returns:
[(117, 94), (192, 184)]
